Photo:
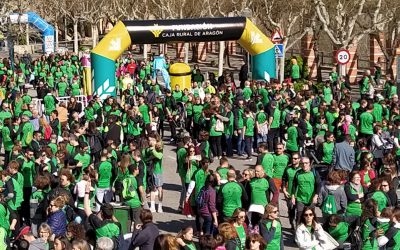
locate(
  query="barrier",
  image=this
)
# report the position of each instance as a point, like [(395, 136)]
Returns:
[(64, 99)]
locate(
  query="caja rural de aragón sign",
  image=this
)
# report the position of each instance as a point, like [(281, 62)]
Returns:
[(209, 29)]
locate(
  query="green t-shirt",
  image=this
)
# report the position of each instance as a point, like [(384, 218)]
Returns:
[(259, 189), (276, 118), (280, 164), (29, 172), (249, 124), (367, 123), (305, 187), (197, 111), (49, 103), (242, 236), (223, 172), (199, 177), (247, 92), (268, 164), (295, 71), (327, 148), (292, 139), (62, 88), (144, 110), (232, 194), (275, 243), (104, 180)]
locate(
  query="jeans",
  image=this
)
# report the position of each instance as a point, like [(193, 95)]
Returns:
[(273, 137), (183, 193), (216, 147), (261, 138), (249, 144), (229, 148), (103, 195), (207, 225), (240, 144)]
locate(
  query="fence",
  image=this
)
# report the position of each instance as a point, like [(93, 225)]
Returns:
[(65, 99)]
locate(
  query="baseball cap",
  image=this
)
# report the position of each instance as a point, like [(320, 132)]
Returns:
[(24, 230)]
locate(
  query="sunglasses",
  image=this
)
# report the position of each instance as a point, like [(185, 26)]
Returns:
[(254, 241), (295, 158), (308, 215), (191, 151), (275, 211), (241, 217)]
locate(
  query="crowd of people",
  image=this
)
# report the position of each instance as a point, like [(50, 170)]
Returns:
[(316, 146)]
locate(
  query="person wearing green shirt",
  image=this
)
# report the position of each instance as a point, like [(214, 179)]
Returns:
[(271, 228), (229, 126), (223, 169), (326, 148), (238, 126), (265, 159), (104, 193), (305, 188), (367, 122), (364, 86), (28, 170), (5, 112), (287, 186), (274, 119), (261, 124), (197, 115), (27, 130), (156, 153), (181, 155), (75, 88), (369, 224), (281, 161), (49, 102), (259, 189), (295, 71), (130, 194), (216, 133), (145, 111), (82, 160), (247, 92), (231, 195), (294, 137), (248, 132), (177, 93), (8, 142), (62, 86)]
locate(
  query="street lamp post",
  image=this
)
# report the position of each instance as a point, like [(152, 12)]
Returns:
[(248, 13)]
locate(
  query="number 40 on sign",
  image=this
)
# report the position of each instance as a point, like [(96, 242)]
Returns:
[(342, 56)]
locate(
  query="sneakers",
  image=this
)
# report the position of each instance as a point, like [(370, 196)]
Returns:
[(152, 209), (160, 210)]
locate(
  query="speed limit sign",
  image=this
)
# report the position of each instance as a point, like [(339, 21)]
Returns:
[(342, 56)]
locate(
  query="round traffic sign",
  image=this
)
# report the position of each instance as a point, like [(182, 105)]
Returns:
[(342, 56)]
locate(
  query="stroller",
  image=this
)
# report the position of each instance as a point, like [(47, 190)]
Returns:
[(179, 120)]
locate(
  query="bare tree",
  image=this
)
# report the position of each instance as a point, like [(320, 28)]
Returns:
[(347, 22), (391, 31)]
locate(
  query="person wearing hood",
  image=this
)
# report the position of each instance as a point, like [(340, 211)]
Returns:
[(332, 197), (338, 228)]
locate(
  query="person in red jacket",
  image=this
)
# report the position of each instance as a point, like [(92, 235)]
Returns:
[(367, 174)]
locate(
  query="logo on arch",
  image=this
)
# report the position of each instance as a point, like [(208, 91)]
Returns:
[(156, 31)]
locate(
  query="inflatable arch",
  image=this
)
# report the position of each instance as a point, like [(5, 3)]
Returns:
[(46, 29), (124, 33)]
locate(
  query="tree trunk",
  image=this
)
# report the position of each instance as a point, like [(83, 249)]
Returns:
[(65, 29), (76, 37), (27, 34), (186, 60), (221, 57), (145, 51), (94, 35), (226, 55), (56, 33), (194, 52)]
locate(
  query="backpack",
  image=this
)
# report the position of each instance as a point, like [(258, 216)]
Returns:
[(94, 143), (355, 238), (129, 190), (202, 197), (329, 204)]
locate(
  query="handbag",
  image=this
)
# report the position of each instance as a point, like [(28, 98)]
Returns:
[(327, 242), (219, 126)]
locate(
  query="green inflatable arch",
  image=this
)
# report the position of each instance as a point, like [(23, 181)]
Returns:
[(125, 33)]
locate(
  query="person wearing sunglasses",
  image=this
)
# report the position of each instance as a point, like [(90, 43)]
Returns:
[(306, 185), (309, 233), (239, 217), (255, 242), (271, 228), (287, 184)]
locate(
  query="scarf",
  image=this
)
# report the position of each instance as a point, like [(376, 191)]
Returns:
[(358, 187)]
